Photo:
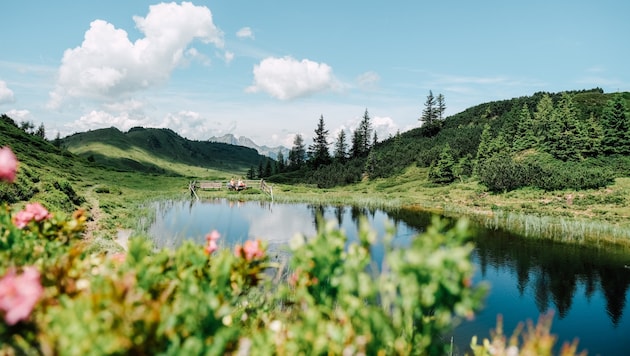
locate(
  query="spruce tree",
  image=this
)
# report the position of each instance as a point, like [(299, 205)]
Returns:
[(341, 147), (440, 107), (297, 155), (280, 165), (442, 171), (366, 133), (616, 124), (566, 143), (318, 151), (594, 136), (525, 133), (430, 112), (546, 123)]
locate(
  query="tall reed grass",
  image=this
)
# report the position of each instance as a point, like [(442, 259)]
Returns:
[(556, 228)]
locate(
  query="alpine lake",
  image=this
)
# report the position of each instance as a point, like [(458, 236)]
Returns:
[(586, 289)]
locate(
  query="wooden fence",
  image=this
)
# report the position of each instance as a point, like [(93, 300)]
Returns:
[(194, 186)]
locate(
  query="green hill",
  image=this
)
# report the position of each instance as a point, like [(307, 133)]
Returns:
[(158, 151), (583, 124)]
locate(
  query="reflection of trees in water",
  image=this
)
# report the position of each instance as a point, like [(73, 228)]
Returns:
[(555, 271)]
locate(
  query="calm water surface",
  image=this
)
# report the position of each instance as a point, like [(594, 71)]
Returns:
[(586, 289)]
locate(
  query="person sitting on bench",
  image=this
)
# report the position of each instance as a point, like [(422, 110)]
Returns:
[(241, 185), (231, 185)]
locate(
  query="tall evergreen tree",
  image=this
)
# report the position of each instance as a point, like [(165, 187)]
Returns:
[(430, 111), (41, 131), (546, 123), (594, 137), (568, 142), (366, 132), (268, 169), (442, 171), (297, 155), (440, 107), (356, 148), (361, 137), (281, 164), (525, 133), (483, 150), (341, 147), (318, 151), (616, 124)]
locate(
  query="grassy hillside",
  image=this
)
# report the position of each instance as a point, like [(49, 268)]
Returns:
[(159, 151)]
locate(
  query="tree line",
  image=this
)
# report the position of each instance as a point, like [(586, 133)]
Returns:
[(573, 139)]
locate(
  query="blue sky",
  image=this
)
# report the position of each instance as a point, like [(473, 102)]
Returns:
[(268, 69)]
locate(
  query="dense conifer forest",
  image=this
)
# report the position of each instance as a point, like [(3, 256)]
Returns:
[(567, 140)]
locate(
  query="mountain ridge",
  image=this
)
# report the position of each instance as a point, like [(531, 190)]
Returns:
[(271, 152)]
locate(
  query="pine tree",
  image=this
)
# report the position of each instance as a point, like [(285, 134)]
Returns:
[(525, 133), (483, 150), (546, 123), (41, 131), (361, 138), (341, 147), (594, 136), (430, 112), (567, 141), (297, 155), (356, 148), (57, 140), (442, 171), (268, 169), (366, 132), (441, 107), (616, 125), (318, 151), (281, 164)]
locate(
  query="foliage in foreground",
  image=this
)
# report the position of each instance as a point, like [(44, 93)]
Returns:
[(57, 299)]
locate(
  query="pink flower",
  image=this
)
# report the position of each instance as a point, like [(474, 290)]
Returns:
[(8, 164), (19, 294), (211, 247), (211, 242), (251, 249), (33, 211)]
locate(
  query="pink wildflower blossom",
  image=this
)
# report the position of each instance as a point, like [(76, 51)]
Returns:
[(250, 250), (211, 242), (19, 294), (8, 165), (33, 211)]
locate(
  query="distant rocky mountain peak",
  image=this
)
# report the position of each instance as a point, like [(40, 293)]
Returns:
[(271, 152)]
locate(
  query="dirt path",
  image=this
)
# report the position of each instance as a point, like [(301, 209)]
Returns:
[(96, 214)]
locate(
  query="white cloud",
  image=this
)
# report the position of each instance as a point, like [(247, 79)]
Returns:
[(368, 80), (108, 64), (287, 78), (6, 94), (19, 115), (245, 32), (228, 57), (384, 127), (102, 119)]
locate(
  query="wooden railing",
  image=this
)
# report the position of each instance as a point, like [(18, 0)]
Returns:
[(207, 185)]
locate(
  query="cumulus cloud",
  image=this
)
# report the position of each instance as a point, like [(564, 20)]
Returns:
[(19, 115), (108, 64), (124, 116), (6, 94), (245, 32), (384, 127), (287, 78)]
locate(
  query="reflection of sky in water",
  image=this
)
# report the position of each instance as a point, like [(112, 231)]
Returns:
[(240, 221)]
